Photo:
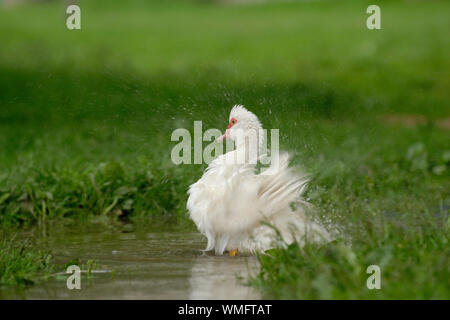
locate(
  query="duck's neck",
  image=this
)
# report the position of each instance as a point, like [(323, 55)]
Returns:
[(248, 149)]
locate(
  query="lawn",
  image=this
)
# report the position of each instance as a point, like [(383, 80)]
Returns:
[(86, 118)]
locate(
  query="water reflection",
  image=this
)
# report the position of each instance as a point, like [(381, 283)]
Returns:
[(144, 265), (223, 277)]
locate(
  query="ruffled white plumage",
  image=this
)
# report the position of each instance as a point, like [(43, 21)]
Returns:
[(235, 208)]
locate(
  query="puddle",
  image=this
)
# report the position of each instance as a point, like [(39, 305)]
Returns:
[(139, 265)]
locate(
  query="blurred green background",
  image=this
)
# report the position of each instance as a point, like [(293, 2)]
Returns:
[(86, 115)]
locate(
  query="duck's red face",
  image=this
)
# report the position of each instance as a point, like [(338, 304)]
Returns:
[(233, 121)]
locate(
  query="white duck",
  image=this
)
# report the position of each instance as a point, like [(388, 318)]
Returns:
[(239, 210)]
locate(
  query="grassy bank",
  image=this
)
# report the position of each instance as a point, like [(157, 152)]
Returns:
[(86, 118), (20, 265)]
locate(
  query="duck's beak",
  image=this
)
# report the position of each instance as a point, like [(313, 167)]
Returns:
[(224, 136), (221, 138)]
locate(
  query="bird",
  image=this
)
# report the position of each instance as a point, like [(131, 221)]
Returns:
[(241, 210)]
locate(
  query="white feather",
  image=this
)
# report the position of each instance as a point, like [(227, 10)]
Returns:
[(238, 209)]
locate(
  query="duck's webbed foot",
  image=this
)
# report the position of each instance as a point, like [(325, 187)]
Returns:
[(233, 253)]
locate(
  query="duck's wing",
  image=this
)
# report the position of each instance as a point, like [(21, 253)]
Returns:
[(280, 185), (252, 199)]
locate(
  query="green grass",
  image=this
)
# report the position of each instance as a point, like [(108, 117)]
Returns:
[(21, 265), (86, 118), (412, 255)]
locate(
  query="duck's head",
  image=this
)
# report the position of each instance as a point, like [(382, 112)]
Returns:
[(242, 123)]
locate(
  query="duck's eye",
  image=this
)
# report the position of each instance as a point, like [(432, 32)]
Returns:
[(232, 122)]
